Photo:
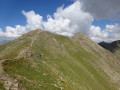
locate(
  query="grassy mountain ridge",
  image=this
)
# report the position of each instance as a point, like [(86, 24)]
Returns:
[(65, 63)]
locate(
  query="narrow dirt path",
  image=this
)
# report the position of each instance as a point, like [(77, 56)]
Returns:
[(32, 43), (9, 83)]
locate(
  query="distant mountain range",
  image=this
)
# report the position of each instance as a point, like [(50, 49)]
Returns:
[(40, 60), (4, 42), (113, 47)]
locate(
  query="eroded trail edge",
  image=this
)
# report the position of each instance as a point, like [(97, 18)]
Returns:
[(9, 83)]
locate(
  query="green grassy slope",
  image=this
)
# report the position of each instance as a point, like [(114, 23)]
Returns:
[(67, 63), (1, 85), (117, 53)]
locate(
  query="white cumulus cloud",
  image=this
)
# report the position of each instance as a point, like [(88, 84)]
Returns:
[(69, 20), (65, 21), (34, 21), (1, 32), (109, 34)]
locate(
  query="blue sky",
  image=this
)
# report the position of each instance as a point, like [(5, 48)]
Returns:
[(103, 22), (95, 18), (11, 10)]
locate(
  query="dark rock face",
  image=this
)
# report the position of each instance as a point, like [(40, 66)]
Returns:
[(111, 46)]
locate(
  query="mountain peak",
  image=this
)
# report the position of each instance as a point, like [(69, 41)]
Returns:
[(43, 60)]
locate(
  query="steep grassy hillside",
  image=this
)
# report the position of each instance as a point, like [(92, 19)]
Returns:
[(46, 61)]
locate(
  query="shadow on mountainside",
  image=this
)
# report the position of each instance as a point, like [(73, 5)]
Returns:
[(112, 47)]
